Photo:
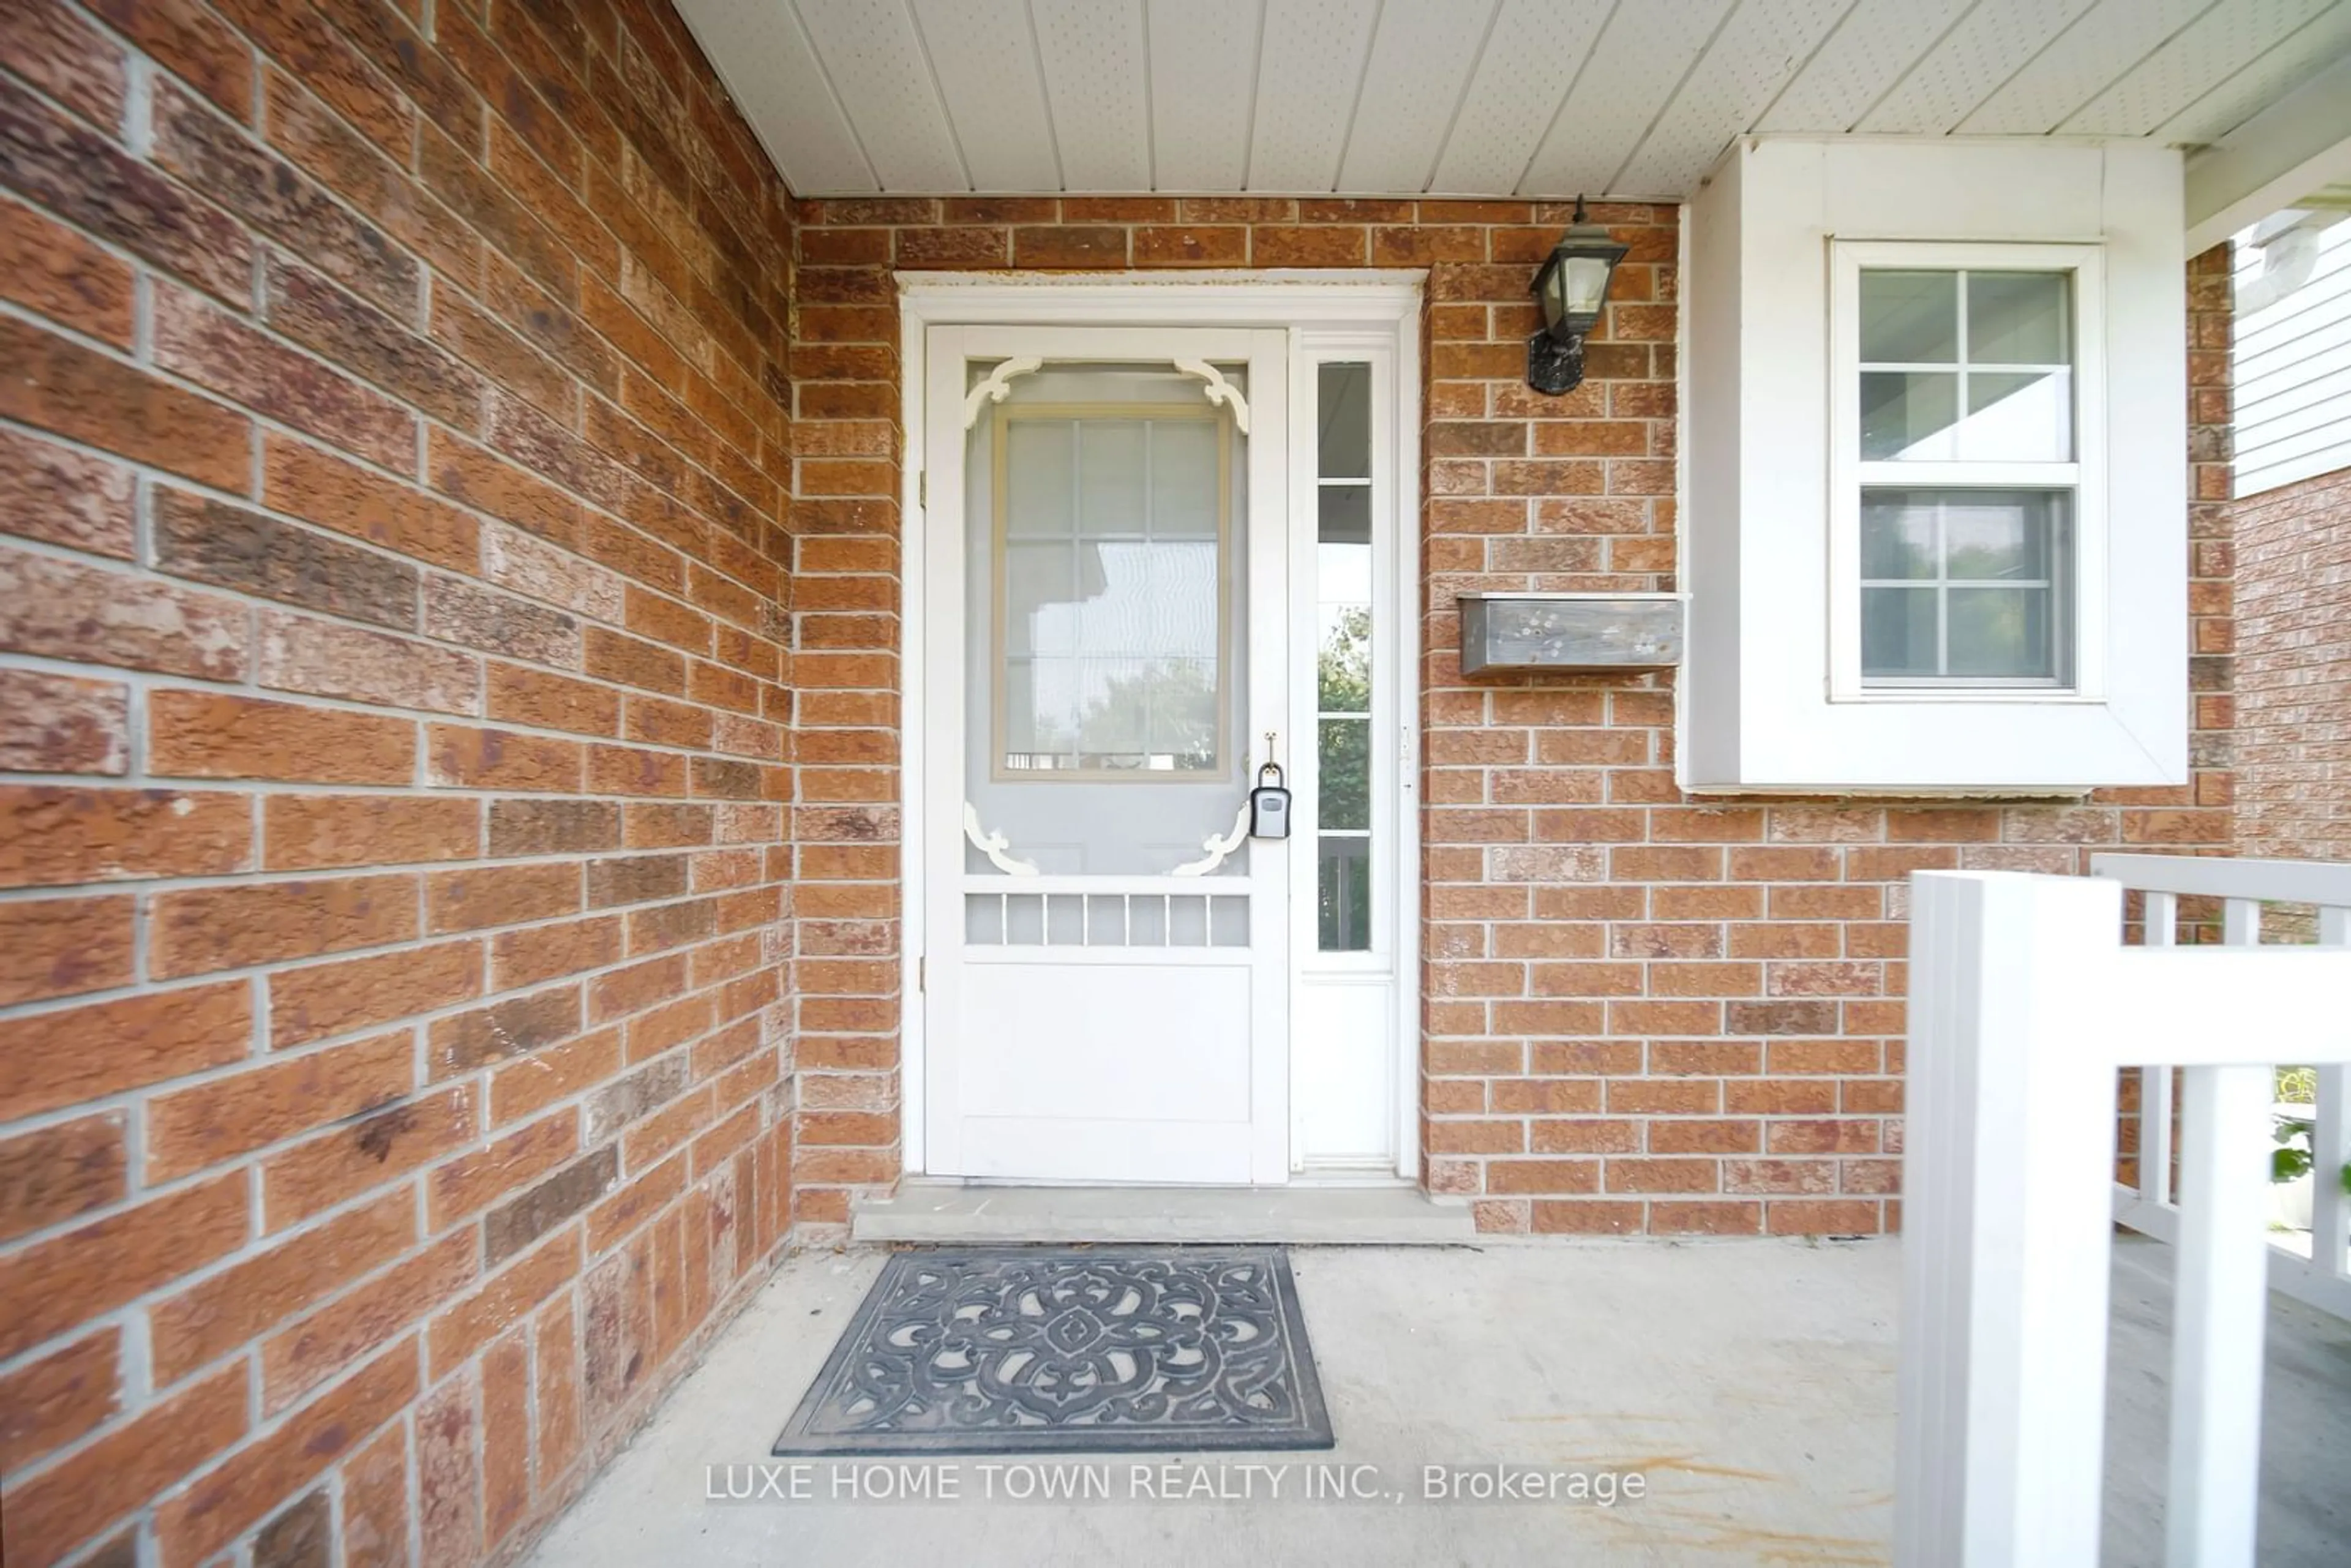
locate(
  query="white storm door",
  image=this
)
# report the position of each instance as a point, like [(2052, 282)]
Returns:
[(1105, 631)]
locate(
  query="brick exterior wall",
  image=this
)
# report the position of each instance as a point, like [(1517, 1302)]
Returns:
[(393, 440), (1644, 1011), (449, 673), (2293, 673)]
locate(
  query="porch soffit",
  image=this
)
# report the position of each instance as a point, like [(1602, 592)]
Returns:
[(1539, 98)]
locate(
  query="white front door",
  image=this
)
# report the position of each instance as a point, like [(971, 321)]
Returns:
[(1107, 604)]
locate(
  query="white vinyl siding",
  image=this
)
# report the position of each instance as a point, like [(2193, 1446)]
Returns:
[(2292, 371)]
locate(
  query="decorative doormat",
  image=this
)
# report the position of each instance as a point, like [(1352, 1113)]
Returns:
[(1069, 1350)]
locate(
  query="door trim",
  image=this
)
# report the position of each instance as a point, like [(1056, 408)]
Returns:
[(1382, 302)]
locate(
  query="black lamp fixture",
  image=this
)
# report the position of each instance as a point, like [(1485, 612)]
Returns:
[(1571, 288)]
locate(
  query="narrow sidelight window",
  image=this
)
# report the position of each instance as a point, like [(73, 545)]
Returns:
[(1342, 576)]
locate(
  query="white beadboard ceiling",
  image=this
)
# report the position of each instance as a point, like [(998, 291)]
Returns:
[(1530, 98)]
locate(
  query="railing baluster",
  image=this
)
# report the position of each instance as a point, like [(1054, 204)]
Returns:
[(2330, 1140), (2155, 1082), (2240, 921), (2323, 1280), (2220, 1313), (2000, 1408)]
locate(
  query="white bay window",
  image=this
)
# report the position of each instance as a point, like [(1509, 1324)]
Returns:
[(1937, 455)]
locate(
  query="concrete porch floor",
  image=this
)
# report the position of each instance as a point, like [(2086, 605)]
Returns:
[(1751, 1382)]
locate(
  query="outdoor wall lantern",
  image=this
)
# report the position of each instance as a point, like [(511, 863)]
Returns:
[(1570, 287)]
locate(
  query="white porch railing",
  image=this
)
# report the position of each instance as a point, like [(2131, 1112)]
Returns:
[(2322, 1279), (2024, 1004)]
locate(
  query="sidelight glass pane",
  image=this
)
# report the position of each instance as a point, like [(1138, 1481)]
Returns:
[(1343, 895), (1908, 414), (1345, 755), (1910, 318), (2018, 319), (1345, 628), (1344, 514), (1343, 669), (1344, 418)]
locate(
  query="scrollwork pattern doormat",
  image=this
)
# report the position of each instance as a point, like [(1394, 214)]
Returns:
[(1069, 1350)]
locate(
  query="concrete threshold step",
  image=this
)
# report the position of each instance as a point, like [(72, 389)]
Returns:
[(955, 1213)]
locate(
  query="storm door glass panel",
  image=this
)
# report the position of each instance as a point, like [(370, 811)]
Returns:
[(1104, 629), (1342, 576)]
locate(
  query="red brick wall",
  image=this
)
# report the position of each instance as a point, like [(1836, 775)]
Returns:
[(392, 445), (1642, 1011), (2293, 669)]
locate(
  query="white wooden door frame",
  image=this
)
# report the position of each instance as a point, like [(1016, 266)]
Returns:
[(1332, 305)]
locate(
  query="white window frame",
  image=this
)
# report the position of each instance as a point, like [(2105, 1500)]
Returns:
[(2082, 620)]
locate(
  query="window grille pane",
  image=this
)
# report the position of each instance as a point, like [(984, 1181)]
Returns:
[(1039, 460), (1896, 540), (1999, 631), (1910, 318), (1966, 585), (1110, 480), (2018, 319), (1908, 414), (1897, 631), (1993, 536), (1183, 480), (2018, 416)]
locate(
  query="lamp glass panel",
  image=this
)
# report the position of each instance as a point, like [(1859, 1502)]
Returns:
[(1586, 284)]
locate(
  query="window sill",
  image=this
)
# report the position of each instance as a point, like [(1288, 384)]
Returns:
[(1973, 696)]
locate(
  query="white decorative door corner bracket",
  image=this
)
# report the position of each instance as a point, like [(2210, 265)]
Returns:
[(1219, 847), (1219, 390), (996, 386), (993, 845)]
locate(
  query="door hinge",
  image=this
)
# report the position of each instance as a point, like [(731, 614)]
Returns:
[(921, 975), (922, 487)]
